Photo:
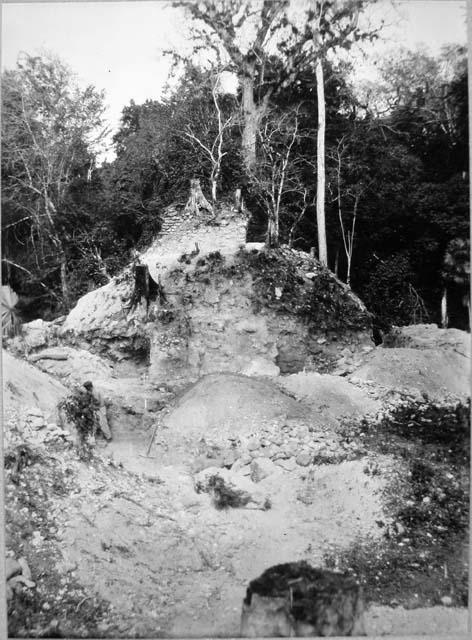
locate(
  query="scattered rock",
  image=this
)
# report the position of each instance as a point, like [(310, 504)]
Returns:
[(229, 458), (253, 444), (246, 470), (35, 334), (242, 462), (304, 459), (261, 468), (37, 413), (288, 464), (291, 449), (37, 423), (261, 367)]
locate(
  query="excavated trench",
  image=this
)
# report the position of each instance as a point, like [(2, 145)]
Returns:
[(142, 541)]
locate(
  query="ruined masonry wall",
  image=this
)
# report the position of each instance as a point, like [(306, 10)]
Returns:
[(218, 333), (214, 327), (102, 310), (208, 322), (181, 230)]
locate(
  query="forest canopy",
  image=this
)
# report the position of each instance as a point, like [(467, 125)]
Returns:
[(392, 168)]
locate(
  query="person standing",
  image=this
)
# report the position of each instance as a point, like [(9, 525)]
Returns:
[(99, 401)]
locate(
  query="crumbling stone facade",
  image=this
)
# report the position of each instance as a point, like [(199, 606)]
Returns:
[(211, 318), (182, 231)]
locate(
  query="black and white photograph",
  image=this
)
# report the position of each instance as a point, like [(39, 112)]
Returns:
[(235, 318)]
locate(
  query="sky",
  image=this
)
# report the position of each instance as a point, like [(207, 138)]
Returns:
[(118, 46)]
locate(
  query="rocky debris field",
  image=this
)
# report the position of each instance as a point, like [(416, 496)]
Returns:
[(202, 489)]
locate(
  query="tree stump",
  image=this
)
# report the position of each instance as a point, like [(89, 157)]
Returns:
[(145, 287), (238, 200), (296, 599), (197, 200)]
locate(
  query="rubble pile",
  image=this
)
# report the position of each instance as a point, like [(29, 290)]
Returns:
[(289, 445), (32, 427)]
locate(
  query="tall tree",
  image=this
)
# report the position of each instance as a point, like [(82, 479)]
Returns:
[(278, 174), (216, 127), (274, 58), (334, 24), (227, 24), (50, 128)]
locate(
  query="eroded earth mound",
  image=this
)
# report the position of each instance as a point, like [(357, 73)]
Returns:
[(257, 368)]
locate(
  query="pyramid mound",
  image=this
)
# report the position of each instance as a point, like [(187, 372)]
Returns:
[(227, 404), (222, 405), (223, 305)]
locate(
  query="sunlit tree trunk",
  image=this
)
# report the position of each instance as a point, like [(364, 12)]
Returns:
[(64, 283), (252, 115), (250, 123), (444, 318), (320, 163)]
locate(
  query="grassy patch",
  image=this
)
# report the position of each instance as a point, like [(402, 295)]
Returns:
[(57, 606), (422, 556)]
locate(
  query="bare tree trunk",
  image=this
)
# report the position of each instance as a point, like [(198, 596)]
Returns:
[(238, 202), (320, 163), (351, 241), (64, 283), (103, 270), (50, 209), (251, 122), (252, 115), (272, 238), (444, 318), (294, 225)]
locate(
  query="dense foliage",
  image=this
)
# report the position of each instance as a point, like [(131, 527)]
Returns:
[(422, 554), (396, 169), (80, 408)]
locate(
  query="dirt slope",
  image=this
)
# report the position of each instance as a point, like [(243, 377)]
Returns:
[(128, 535), (77, 365), (429, 336), (435, 372), (24, 386), (229, 404), (167, 561), (330, 395)]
